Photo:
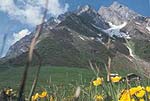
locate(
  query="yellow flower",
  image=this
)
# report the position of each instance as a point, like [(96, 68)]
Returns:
[(125, 96), (140, 93), (135, 89), (44, 94), (148, 88), (142, 99), (132, 99), (115, 79), (98, 81), (35, 97), (98, 98)]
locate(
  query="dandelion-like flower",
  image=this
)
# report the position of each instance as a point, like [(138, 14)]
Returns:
[(115, 79), (98, 98), (35, 97), (125, 96), (98, 81), (140, 93), (135, 90), (44, 94), (147, 89)]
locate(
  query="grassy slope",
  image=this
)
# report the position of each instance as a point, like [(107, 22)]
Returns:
[(56, 52), (142, 48)]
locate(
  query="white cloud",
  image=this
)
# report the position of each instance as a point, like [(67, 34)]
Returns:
[(30, 11), (20, 35), (55, 8)]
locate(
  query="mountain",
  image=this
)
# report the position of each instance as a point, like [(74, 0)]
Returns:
[(76, 37), (127, 23), (117, 13)]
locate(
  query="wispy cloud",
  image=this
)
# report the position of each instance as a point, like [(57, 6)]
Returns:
[(30, 11)]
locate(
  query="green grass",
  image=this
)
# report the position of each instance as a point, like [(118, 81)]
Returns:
[(63, 81), (48, 75), (11, 76)]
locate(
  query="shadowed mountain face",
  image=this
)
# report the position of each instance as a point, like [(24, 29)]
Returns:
[(76, 37)]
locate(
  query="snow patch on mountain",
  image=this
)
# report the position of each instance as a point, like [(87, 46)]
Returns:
[(100, 40), (137, 23), (131, 52), (115, 30), (117, 26), (81, 37), (148, 28), (84, 9), (57, 21), (91, 38)]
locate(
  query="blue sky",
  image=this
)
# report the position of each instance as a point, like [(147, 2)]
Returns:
[(19, 17), (140, 6)]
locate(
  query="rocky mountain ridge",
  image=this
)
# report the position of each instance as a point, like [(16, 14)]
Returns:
[(117, 13)]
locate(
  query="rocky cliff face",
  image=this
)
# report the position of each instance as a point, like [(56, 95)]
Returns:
[(117, 13), (91, 16), (138, 28)]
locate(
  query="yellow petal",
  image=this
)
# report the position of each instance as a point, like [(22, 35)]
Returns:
[(98, 97), (116, 79), (140, 94), (148, 88), (44, 94), (35, 97), (135, 90), (125, 96), (142, 99), (98, 81), (132, 99)]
